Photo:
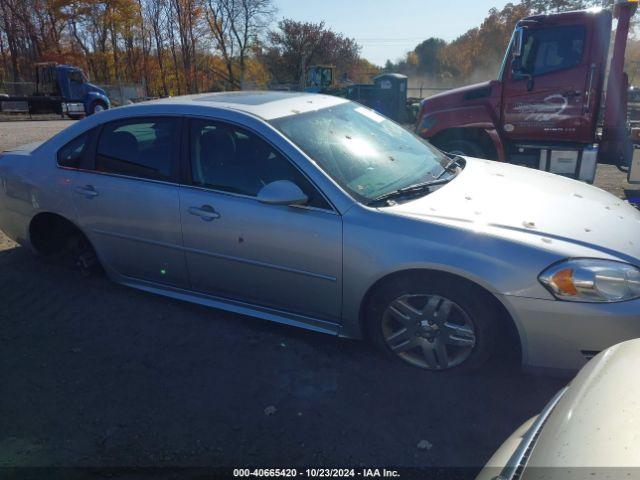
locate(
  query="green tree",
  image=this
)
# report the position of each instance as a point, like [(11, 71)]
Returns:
[(428, 53)]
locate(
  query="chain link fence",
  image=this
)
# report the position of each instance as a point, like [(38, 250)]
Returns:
[(124, 94)]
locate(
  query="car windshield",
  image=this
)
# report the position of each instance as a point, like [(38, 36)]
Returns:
[(364, 152)]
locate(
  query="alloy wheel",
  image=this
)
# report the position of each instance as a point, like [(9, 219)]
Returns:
[(428, 331)]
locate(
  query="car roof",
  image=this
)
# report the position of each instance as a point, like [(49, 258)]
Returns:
[(268, 105)]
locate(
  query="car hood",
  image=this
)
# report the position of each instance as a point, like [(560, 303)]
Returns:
[(527, 205), (597, 421)]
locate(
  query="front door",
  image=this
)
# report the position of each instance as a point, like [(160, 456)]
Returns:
[(76, 85), (128, 204), (547, 98), (277, 256)]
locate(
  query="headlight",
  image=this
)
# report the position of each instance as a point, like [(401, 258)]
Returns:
[(592, 280)]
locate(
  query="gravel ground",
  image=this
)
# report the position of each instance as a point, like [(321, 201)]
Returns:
[(15, 133), (613, 180), (95, 374)]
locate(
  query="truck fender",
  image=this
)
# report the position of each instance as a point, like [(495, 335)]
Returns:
[(497, 143), (93, 97), (472, 117)]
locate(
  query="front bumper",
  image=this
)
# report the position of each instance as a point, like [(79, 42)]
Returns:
[(564, 335), (73, 108)]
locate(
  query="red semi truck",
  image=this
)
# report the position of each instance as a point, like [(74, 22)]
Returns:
[(547, 110)]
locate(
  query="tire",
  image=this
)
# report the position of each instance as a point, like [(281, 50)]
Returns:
[(448, 324), (463, 147), (97, 107), (71, 249), (83, 257)]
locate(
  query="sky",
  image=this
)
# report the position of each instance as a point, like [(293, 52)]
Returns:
[(387, 29)]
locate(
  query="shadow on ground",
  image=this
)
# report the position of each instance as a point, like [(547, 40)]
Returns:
[(95, 374)]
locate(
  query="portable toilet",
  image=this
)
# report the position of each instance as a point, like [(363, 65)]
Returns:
[(391, 98)]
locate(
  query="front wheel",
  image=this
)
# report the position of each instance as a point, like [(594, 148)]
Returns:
[(433, 324), (97, 107)]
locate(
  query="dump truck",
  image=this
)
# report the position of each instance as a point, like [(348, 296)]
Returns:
[(59, 89), (559, 103)]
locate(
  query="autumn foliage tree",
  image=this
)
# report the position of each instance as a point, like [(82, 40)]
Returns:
[(294, 46), (170, 46)]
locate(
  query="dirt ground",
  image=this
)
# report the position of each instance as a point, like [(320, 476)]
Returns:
[(95, 374)]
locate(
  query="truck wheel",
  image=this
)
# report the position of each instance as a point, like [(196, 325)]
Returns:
[(464, 148), (97, 107)]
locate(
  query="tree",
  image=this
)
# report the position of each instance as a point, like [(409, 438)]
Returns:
[(296, 45), (544, 6), (186, 17), (235, 26), (428, 55)]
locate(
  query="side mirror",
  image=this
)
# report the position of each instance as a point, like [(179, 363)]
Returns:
[(518, 72), (282, 192)]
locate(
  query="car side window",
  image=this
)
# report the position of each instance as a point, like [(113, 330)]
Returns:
[(73, 153), (553, 49), (142, 148), (231, 159)]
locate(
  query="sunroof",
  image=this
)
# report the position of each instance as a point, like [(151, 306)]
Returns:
[(248, 98)]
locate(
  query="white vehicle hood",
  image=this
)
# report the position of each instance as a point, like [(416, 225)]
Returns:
[(596, 424), (531, 206)]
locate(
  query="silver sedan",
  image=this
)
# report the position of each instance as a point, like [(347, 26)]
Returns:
[(317, 212)]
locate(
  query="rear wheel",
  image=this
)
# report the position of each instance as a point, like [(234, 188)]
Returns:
[(433, 323), (60, 242)]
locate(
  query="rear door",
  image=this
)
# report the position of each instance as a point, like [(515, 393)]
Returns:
[(127, 199), (278, 256), (552, 99)]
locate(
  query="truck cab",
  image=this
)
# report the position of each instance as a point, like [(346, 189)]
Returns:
[(70, 84), (60, 89), (544, 110)]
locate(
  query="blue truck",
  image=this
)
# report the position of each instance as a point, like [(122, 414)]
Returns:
[(60, 89)]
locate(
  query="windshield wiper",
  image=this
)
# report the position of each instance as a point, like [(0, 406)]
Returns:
[(454, 162), (417, 188), (457, 162)]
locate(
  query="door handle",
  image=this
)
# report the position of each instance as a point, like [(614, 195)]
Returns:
[(205, 212), (88, 191)]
